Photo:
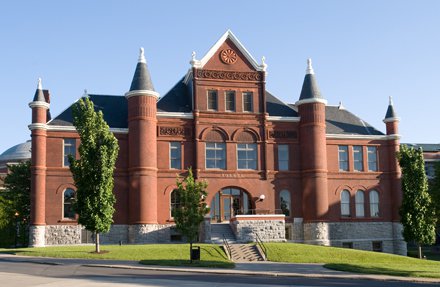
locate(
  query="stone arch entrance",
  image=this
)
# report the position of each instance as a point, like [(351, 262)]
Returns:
[(228, 202)]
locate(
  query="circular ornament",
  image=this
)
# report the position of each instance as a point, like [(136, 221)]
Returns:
[(228, 56)]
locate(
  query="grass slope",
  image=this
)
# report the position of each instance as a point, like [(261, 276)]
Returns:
[(149, 254), (351, 260)]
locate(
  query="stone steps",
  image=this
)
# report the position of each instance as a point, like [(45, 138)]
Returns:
[(245, 253), (218, 230)]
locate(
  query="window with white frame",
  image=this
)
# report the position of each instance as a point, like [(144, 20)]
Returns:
[(372, 158), (247, 102), (345, 203), (68, 199), (212, 100), (285, 203), (343, 158), (360, 203), (374, 203), (358, 161), (247, 156), (230, 101), (283, 157), (175, 155), (69, 148), (215, 156)]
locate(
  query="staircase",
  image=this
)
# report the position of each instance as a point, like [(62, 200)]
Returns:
[(218, 230), (245, 253)]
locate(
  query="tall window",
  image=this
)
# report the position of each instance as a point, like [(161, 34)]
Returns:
[(69, 149), (174, 201), (69, 197), (358, 158), (372, 158), (374, 203), (247, 102), (212, 100), (247, 156), (215, 155), (285, 204), (343, 158), (345, 203), (359, 199), (175, 155), (230, 101), (283, 157)]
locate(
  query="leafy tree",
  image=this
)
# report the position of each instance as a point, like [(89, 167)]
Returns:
[(15, 203), (192, 208), (434, 190), (93, 171), (417, 212)]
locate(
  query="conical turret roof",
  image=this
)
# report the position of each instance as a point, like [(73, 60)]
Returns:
[(310, 89), (390, 111), (39, 95), (141, 79)]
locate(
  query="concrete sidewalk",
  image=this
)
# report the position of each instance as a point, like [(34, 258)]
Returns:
[(258, 268)]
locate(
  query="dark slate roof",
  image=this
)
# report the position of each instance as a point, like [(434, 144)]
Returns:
[(141, 79), (341, 121), (114, 108), (18, 152), (275, 107), (310, 88), (390, 112), (39, 96), (178, 99), (425, 147)]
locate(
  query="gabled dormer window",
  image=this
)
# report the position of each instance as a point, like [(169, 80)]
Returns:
[(212, 100)]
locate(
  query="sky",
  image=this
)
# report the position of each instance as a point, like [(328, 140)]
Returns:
[(363, 52)]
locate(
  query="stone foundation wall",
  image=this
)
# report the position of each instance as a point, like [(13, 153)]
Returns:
[(63, 234), (149, 233), (297, 230), (118, 233), (36, 236), (268, 229)]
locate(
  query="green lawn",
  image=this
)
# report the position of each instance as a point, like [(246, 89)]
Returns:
[(353, 260), (149, 254)]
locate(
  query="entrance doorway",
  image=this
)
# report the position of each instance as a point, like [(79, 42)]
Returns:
[(228, 203)]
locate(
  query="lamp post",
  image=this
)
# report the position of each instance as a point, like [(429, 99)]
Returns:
[(17, 228)]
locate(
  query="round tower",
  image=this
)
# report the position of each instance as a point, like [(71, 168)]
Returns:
[(38, 129), (393, 145), (142, 125), (312, 135)]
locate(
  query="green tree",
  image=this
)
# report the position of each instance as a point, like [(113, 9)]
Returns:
[(417, 212), (93, 171), (15, 203), (190, 211), (434, 190)]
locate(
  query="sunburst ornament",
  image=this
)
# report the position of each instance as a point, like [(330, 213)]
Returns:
[(228, 56)]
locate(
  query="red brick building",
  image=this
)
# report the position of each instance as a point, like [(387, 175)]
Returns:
[(307, 172)]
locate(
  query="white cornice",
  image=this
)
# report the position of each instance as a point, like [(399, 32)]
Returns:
[(73, 129), (308, 101), (37, 126), (39, 104), (363, 137), (175, 115), (231, 36), (283, 119), (141, 93), (393, 119), (260, 215)]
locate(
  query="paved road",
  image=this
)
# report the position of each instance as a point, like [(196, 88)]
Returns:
[(23, 274)]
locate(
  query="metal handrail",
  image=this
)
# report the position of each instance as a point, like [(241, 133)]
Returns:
[(228, 247), (262, 246)]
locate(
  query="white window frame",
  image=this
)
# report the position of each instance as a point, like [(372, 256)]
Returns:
[(251, 97), (370, 151), (68, 145), (344, 149), (70, 203), (359, 199), (175, 204), (248, 149), (176, 146), (283, 163), (345, 203), (374, 203), (359, 153), (219, 149), (211, 92), (227, 93), (288, 201)]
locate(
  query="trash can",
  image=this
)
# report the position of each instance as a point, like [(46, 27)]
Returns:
[(195, 253)]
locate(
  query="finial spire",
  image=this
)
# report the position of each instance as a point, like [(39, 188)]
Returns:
[(142, 56), (193, 56), (39, 87), (391, 101), (263, 63), (309, 70)]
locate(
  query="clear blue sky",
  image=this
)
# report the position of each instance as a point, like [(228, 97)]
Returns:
[(362, 51)]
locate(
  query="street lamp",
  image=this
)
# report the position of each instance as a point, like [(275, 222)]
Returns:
[(17, 228)]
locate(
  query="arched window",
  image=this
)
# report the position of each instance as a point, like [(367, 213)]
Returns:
[(285, 204), (246, 151), (68, 199), (360, 203), (174, 201), (374, 203), (345, 203)]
